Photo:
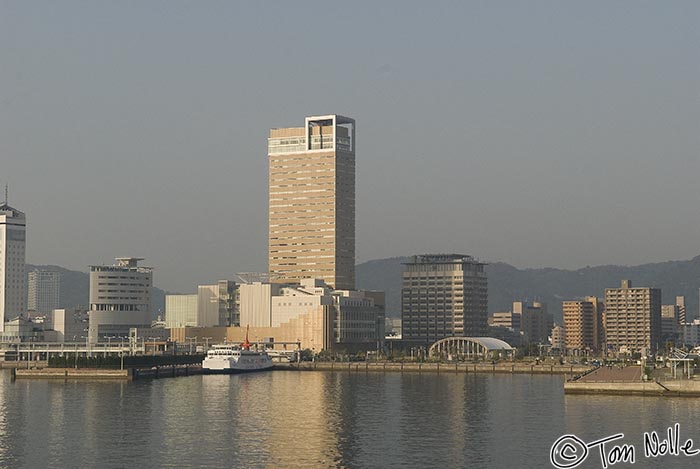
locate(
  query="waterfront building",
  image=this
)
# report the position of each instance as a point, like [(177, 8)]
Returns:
[(67, 325), (216, 304), (120, 298), (444, 295), (181, 311), (322, 318), (43, 291), (632, 318), (536, 322), (312, 202), (13, 277), (212, 305)]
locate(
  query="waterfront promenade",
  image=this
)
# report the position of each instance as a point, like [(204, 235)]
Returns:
[(412, 367)]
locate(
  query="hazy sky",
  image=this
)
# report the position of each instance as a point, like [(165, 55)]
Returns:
[(558, 134)]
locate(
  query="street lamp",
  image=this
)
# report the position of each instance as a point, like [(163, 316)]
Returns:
[(192, 339)]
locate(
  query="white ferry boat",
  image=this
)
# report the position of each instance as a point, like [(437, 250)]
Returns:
[(230, 358)]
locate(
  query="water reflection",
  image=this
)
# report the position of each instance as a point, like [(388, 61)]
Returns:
[(316, 419)]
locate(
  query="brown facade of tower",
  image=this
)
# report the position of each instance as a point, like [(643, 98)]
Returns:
[(312, 202)]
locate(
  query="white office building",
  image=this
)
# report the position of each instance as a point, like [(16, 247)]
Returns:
[(13, 277), (212, 305), (120, 298), (43, 291)]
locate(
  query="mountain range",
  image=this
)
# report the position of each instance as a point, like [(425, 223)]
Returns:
[(552, 286), (506, 283)]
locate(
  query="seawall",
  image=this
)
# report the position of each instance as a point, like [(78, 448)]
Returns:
[(523, 368), (689, 388)]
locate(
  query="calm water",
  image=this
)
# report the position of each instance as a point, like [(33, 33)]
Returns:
[(321, 419)]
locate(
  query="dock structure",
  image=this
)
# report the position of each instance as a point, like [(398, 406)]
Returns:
[(628, 380), (129, 374)]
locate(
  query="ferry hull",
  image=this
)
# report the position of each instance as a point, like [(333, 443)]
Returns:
[(232, 371)]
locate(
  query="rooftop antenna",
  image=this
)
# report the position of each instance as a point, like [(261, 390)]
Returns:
[(5, 193)]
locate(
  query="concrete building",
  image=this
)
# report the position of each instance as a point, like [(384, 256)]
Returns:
[(69, 325), (212, 305), (444, 295), (181, 311), (323, 318), (689, 334), (43, 291), (536, 322), (13, 276), (312, 202), (558, 339), (632, 318), (505, 319), (120, 298), (669, 323), (598, 323), (216, 304), (506, 326)]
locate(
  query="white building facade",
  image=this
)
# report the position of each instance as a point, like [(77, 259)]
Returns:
[(120, 298), (13, 277), (43, 291)]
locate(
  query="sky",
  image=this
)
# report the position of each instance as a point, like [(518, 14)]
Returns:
[(539, 133)]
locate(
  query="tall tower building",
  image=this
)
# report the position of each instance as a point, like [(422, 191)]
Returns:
[(312, 202), (444, 295), (13, 277), (632, 318), (43, 291)]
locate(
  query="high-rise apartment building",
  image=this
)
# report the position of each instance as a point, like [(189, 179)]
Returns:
[(312, 202), (120, 297), (43, 291), (632, 318), (584, 325), (579, 318), (444, 295), (13, 276)]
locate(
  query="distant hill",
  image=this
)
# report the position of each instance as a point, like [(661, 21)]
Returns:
[(551, 286), (75, 288), (506, 283)]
